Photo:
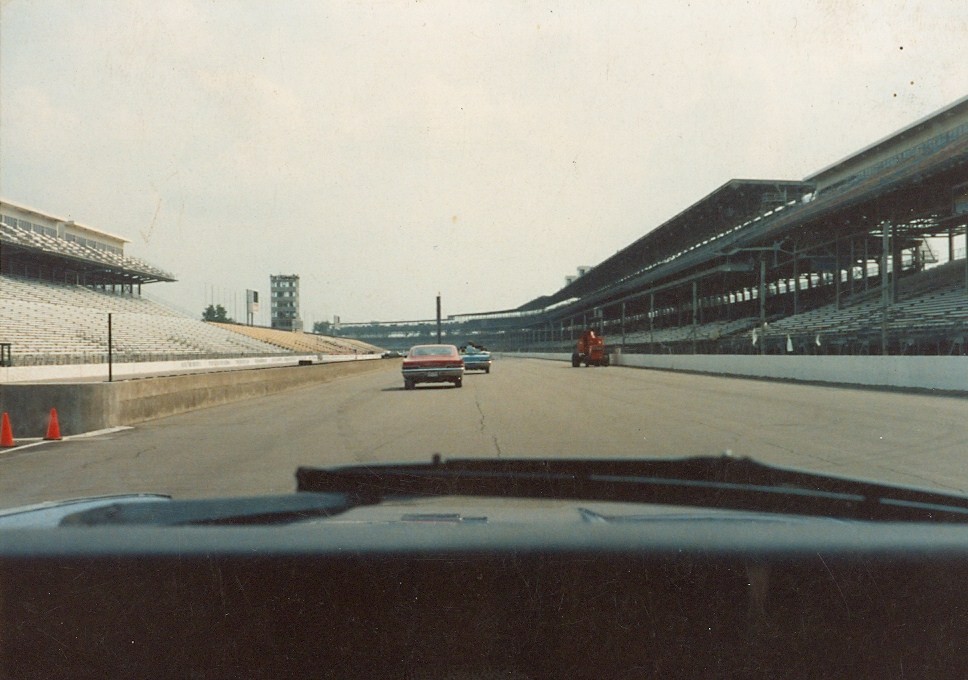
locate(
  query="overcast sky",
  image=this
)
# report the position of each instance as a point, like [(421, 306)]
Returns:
[(388, 151)]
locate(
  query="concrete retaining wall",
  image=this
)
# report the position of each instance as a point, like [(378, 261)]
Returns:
[(85, 407), (915, 372), (119, 371)]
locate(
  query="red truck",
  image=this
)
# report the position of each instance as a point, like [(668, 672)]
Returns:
[(590, 350)]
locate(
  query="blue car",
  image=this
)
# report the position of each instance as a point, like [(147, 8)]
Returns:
[(476, 358)]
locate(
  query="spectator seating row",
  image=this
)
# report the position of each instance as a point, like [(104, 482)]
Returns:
[(49, 323), (303, 342), (15, 288), (708, 331), (937, 309), (929, 316)]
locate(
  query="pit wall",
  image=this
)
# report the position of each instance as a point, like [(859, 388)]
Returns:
[(120, 371), (908, 372), (90, 406)]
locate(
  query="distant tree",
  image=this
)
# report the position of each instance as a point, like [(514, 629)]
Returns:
[(216, 313), (323, 327)]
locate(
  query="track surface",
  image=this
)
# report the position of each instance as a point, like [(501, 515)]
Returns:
[(522, 408)]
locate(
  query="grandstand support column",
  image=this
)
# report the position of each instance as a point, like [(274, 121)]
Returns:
[(885, 282), (762, 296), (850, 277), (695, 313), (796, 283), (837, 274), (865, 271), (897, 263), (623, 326), (651, 321)]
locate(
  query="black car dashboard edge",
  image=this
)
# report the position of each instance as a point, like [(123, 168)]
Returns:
[(725, 481), (288, 586)]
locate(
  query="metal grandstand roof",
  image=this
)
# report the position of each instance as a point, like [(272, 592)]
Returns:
[(907, 177), (728, 207), (18, 243), (20, 207), (944, 114), (912, 188)]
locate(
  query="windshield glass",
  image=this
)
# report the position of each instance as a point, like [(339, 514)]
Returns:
[(451, 340), (678, 229)]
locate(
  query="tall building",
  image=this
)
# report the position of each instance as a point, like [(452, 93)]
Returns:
[(284, 294)]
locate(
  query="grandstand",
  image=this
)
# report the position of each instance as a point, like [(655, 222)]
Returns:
[(866, 256), (930, 316), (61, 282), (41, 246), (297, 341)]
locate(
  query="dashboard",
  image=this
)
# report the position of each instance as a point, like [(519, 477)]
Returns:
[(669, 596)]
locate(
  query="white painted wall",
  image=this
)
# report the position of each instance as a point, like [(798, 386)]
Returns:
[(924, 372), (120, 371)]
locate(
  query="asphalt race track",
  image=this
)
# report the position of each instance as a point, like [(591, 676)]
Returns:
[(522, 408)]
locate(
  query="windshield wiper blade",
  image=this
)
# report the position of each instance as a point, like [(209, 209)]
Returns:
[(252, 510), (723, 482)]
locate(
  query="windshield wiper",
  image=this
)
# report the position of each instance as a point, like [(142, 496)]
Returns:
[(252, 510), (722, 482), (719, 482)]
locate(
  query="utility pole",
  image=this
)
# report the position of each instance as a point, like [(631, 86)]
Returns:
[(438, 319), (110, 351)]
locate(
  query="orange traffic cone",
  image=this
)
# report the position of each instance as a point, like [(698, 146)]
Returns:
[(6, 433), (53, 427)]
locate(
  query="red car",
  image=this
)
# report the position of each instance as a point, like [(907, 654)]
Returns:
[(432, 363)]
